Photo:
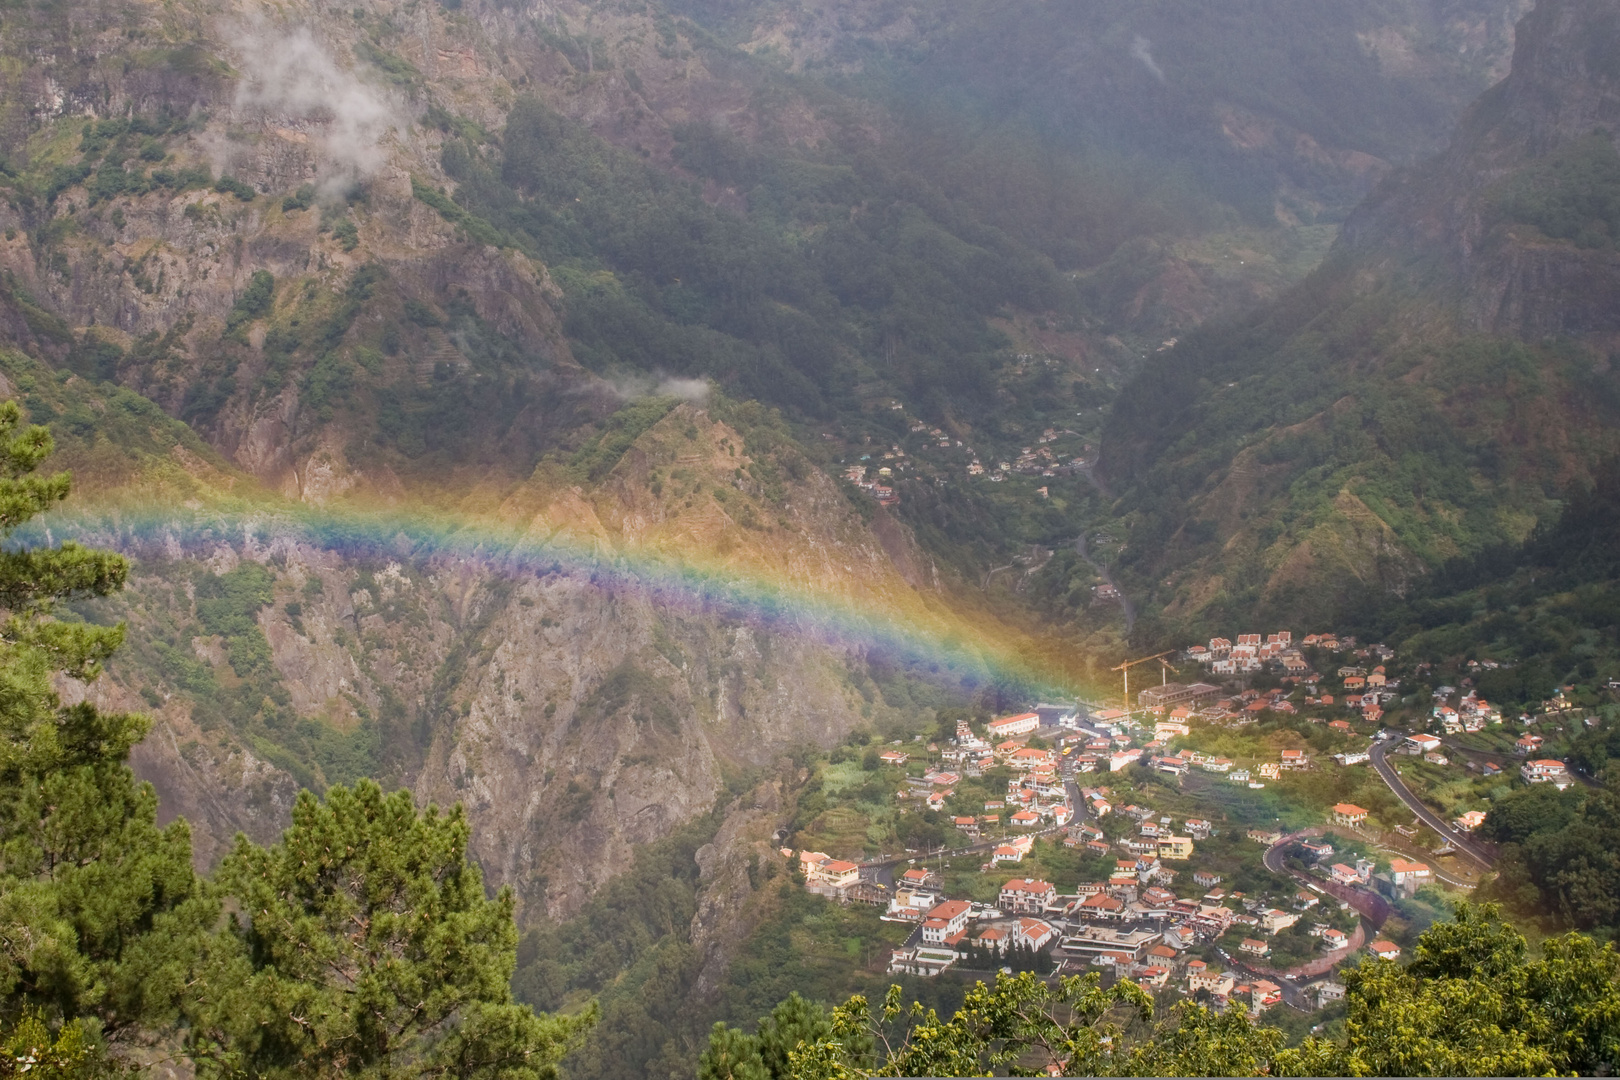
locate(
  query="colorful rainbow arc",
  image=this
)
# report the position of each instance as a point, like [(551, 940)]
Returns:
[(680, 584)]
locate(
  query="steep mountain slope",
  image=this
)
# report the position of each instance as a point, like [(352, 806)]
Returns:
[(1281, 110), (416, 351), (1428, 392)]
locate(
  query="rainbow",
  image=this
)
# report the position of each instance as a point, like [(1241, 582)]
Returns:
[(932, 642)]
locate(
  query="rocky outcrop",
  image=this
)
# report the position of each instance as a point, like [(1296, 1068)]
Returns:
[(1438, 224)]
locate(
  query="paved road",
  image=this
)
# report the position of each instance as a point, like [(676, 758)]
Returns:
[(1371, 906), (1510, 762), (1102, 572), (1424, 814)]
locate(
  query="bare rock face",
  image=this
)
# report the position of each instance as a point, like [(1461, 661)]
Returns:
[(1440, 220), (578, 704)]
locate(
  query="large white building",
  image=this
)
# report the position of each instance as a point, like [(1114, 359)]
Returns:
[(946, 920), (1008, 726)]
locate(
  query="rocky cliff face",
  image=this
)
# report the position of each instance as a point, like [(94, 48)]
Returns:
[(1403, 406), (1507, 276), (577, 705)]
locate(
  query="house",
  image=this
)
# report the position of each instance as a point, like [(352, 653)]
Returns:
[(1175, 847), (1545, 771), (1009, 726), (1277, 920), (1199, 977), (1270, 770), (1345, 875), (1206, 879), (1527, 745), (1034, 934), (1435, 757), (1489, 769), (1007, 853), (831, 876), (1316, 849), (1026, 819), (993, 937), (1152, 977), (1409, 875), (1327, 991), (1352, 757), (1470, 821), (1385, 950), (919, 878), (1294, 759), (1255, 947), (1029, 758), (1421, 744), (1091, 942), (1118, 761), (1348, 814), (945, 920), (1218, 765), (1026, 895), (1263, 995), (1265, 836), (926, 961), (1198, 828), (969, 824), (894, 757), (1100, 905), (1334, 939)]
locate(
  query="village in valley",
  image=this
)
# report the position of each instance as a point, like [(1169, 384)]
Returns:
[(1265, 811)]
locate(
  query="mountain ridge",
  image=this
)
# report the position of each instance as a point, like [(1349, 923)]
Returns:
[(1404, 405)]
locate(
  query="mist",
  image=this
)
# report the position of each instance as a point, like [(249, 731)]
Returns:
[(291, 74), (1142, 50)]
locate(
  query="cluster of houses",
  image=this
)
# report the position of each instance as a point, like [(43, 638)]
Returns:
[(879, 485), (1132, 924), (1470, 714), (1363, 689)]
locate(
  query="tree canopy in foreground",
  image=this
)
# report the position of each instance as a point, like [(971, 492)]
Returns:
[(362, 944), (1472, 1002)]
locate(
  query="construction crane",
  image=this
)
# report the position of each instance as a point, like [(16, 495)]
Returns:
[(1126, 669)]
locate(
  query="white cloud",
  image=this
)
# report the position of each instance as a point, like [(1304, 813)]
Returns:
[(291, 74), (1142, 49)]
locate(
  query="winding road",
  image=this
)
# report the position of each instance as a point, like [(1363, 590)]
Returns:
[(1456, 839), (1102, 572)]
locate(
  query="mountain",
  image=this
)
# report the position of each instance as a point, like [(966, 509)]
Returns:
[(1429, 392), (472, 384)]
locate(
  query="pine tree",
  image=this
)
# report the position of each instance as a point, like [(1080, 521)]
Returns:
[(100, 912), (363, 944)]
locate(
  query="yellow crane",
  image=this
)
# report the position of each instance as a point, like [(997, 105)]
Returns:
[(1126, 669)]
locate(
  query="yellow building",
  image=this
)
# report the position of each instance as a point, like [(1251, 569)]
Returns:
[(1175, 847)]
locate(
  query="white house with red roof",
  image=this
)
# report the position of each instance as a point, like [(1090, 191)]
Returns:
[(1118, 761), (1034, 934), (945, 920), (1546, 771), (1009, 726), (1348, 814), (1027, 895), (1385, 950)]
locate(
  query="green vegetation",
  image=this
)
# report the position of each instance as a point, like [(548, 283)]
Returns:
[(1557, 865), (362, 943), (1472, 1003), (1571, 194)]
